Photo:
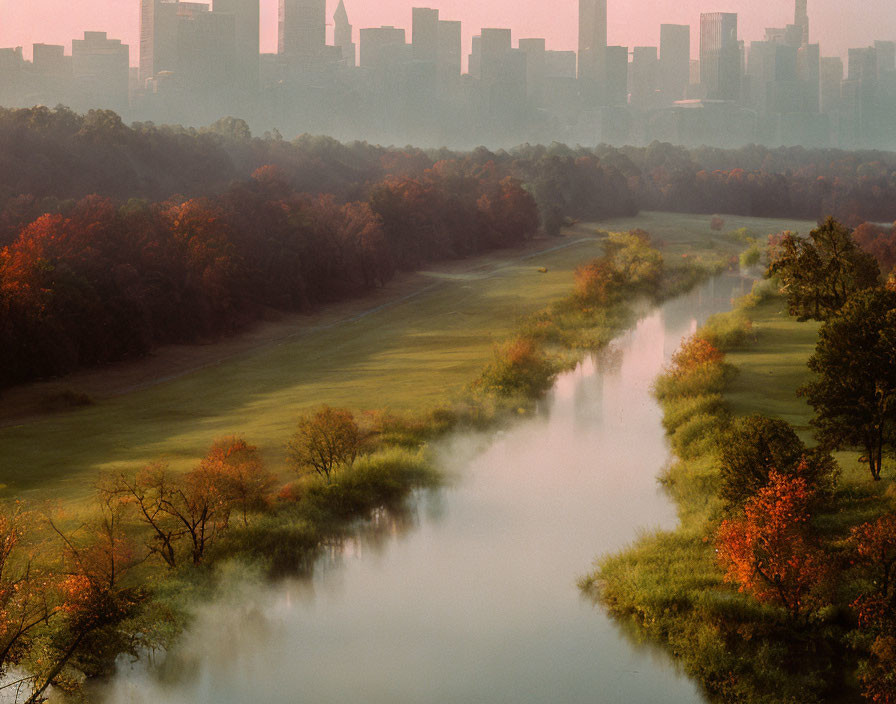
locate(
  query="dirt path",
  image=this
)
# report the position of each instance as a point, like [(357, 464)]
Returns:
[(30, 402)]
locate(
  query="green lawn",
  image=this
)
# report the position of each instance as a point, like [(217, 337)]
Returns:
[(411, 356)]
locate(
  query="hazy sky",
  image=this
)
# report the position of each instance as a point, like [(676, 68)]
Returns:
[(837, 24)]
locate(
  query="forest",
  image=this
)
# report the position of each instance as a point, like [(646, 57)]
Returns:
[(115, 239)]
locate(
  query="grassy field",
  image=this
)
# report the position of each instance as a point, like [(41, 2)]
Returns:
[(409, 356)]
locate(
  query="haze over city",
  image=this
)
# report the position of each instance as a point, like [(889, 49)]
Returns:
[(634, 23)]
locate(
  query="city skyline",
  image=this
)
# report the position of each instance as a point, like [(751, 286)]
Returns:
[(628, 23)]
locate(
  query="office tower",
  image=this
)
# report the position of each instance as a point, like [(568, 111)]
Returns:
[(560, 65), (862, 65), (206, 50), (381, 46), (720, 56), (343, 35), (158, 37), (801, 20), (809, 72), (425, 34), (675, 60), (495, 47), (592, 38), (616, 76), (450, 51), (247, 28), (831, 76), (50, 60), (644, 78), (536, 66), (302, 28), (475, 62), (100, 68), (886, 56)]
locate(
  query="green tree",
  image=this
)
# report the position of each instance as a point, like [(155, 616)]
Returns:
[(325, 441), (819, 274), (854, 395), (755, 446)]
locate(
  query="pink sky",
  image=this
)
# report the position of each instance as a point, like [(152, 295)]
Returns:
[(837, 24)]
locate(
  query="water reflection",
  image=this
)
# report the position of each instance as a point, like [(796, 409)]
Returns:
[(469, 595)]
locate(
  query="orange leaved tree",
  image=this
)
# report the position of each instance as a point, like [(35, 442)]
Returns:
[(768, 551)]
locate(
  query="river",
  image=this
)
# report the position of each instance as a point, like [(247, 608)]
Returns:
[(472, 596)]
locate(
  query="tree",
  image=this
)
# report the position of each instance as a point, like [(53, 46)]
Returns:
[(854, 394), (26, 593), (821, 273), (695, 352), (769, 553), (595, 281), (243, 477), (874, 547), (756, 446), (326, 440), (96, 599), (194, 508)]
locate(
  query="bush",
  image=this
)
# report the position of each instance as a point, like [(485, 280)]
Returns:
[(677, 411), (700, 381), (727, 331), (698, 435), (520, 367)]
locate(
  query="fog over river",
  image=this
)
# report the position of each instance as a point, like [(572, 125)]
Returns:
[(472, 597)]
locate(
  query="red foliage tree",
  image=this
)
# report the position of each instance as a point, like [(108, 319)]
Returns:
[(769, 553)]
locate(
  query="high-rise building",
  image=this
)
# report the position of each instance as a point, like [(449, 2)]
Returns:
[(886, 56), (343, 35), (675, 60), (801, 20), (644, 77), (536, 66), (450, 51), (158, 37), (425, 34), (302, 28), (831, 76), (592, 38), (381, 46), (720, 56), (247, 29), (100, 66), (495, 46), (616, 76)]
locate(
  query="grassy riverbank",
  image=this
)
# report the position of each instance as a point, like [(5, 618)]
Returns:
[(410, 357), (670, 585)]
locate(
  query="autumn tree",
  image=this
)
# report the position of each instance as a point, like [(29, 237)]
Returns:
[(769, 552), (96, 599), (193, 508), (27, 593), (244, 480), (695, 352), (821, 273), (854, 393), (324, 441), (873, 546), (594, 281), (756, 446)]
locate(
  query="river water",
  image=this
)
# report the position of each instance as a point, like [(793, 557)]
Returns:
[(471, 597)]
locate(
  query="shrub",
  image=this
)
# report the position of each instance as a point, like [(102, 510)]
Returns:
[(677, 411), (520, 367), (727, 331), (698, 435)]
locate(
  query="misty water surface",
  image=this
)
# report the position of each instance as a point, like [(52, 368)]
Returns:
[(473, 597)]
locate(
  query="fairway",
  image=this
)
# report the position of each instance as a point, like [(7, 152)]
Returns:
[(411, 355)]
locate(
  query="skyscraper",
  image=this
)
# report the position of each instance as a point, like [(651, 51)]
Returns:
[(592, 38), (343, 35), (801, 19), (100, 67), (247, 30), (425, 34), (450, 51), (302, 28), (720, 56), (675, 60)]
